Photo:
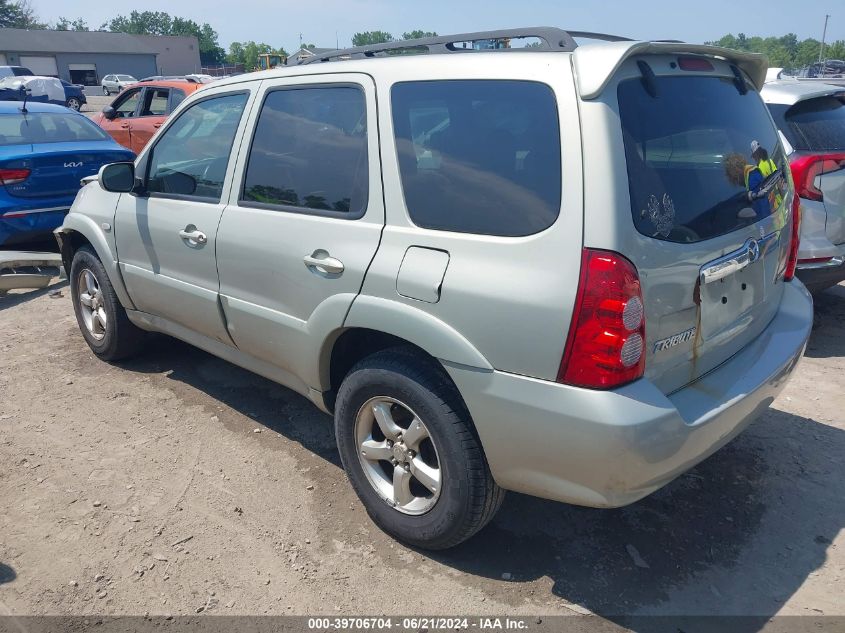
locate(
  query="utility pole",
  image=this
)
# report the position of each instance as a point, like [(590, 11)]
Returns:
[(824, 34)]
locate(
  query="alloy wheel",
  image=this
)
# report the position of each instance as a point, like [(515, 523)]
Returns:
[(73, 104), (398, 455), (91, 304)]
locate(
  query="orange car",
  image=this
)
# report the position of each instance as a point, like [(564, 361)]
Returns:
[(135, 115)]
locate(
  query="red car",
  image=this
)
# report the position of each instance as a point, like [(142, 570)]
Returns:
[(135, 115)]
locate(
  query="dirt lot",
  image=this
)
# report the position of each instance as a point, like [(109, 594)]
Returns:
[(176, 483)]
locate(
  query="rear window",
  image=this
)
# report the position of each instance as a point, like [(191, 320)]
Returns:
[(47, 127), (479, 156), (817, 124), (694, 152)]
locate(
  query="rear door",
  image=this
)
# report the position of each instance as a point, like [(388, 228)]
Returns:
[(708, 232), (305, 217)]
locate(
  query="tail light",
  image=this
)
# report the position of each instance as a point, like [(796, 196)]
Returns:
[(13, 176), (792, 258), (606, 343), (695, 63), (805, 169)]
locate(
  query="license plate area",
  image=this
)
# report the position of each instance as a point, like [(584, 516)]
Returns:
[(728, 303)]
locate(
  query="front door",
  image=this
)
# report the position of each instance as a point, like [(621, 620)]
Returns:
[(126, 108), (151, 116), (166, 238), (304, 219)]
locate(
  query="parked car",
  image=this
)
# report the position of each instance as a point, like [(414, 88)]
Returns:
[(74, 95), (14, 71), (116, 83), (42, 90), (531, 272), (811, 116), (44, 153), (135, 115)]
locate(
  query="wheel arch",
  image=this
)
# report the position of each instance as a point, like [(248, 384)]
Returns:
[(78, 231)]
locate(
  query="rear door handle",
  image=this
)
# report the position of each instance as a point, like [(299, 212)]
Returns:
[(194, 235), (157, 125), (321, 262)]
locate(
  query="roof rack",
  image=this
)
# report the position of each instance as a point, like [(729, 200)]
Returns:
[(551, 39)]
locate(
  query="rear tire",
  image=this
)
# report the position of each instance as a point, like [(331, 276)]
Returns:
[(74, 104), (106, 91), (102, 320), (407, 389)]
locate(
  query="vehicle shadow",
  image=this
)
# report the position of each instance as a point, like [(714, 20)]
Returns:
[(737, 535), (7, 574), (16, 298), (828, 337)]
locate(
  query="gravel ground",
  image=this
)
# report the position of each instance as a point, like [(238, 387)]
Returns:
[(177, 483)]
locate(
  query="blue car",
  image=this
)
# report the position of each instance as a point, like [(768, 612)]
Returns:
[(44, 153)]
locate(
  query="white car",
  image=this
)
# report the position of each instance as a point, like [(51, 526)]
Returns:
[(116, 83), (811, 118)]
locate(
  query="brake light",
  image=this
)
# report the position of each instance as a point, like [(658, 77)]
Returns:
[(13, 176), (805, 169), (792, 258), (695, 63), (605, 347)]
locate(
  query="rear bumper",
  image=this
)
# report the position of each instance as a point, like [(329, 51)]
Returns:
[(820, 275), (611, 448), (21, 223)]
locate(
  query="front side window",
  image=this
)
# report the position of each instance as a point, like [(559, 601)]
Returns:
[(191, 157), (309, 151), (155, 102), (703, 159), (127, 104), (479, 156)]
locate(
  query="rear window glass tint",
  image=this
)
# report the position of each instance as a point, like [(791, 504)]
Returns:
[(817, 124), (689, 157), (47, 127), (479, 156)]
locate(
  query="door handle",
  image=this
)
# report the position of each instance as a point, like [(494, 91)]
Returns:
[(124, 125), (194, 235), (157, 125), (321, 262)]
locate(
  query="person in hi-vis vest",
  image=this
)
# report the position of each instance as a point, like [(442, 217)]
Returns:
[(767, 167)]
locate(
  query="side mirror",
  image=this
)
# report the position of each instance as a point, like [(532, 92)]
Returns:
[(109, 112), (117, 177)]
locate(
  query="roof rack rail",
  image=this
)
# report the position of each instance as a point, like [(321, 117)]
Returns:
[(551, 39)]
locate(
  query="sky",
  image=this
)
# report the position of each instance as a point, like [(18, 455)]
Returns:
[(325, 22)]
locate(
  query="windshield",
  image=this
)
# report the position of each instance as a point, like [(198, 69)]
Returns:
[(47, 127), (703, 159)]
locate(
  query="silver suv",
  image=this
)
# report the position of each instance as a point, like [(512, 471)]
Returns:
[(541, 269)]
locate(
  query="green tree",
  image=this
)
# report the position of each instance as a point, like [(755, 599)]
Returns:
[(371, 37), (63, 24), (247, 53), (418, 35), (19, 15), (161, 23)]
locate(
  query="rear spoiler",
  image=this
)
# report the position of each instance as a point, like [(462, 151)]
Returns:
[(595, 64)]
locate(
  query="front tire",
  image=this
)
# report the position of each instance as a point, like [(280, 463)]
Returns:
[(106, 91), (101, 318), (410, 451)]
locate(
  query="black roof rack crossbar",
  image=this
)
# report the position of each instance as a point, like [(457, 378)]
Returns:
[(551, 39), (589, 35)]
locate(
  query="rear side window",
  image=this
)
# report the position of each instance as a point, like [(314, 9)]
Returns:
[(817, 124), (47, 127), (479, 156), (694, 152), (309, 152), (155, 102)]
